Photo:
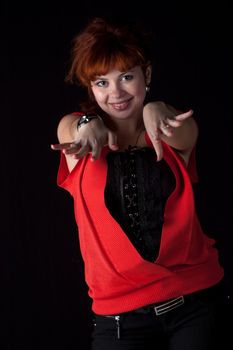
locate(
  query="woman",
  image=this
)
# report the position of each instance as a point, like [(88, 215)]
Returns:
[(152, 272)]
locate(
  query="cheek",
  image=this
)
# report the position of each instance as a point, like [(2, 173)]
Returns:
[(140, 92), (99, 95)]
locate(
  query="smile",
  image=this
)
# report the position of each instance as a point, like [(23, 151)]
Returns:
[(120, 105)]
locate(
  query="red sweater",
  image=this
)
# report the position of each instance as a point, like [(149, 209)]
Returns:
[(119, 279)]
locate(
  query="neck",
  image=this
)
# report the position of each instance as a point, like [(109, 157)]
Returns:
[(130, 136)]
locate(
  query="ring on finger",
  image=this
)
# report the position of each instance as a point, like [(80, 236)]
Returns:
[(166, 126)]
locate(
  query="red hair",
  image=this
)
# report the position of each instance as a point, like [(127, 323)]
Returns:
[(102, 45)]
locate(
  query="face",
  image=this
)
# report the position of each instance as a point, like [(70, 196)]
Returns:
[(121, 94)]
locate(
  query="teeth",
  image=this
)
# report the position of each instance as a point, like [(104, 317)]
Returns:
[(122, 105)]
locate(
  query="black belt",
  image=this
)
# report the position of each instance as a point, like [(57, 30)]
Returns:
[(162, 308), (158, 308)]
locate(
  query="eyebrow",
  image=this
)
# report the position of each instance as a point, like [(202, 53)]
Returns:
[(103, 78)]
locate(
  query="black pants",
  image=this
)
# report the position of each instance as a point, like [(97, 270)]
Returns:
[(191, 326)]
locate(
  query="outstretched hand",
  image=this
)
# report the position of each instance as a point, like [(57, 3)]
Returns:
[(160, 120), (91, 138)]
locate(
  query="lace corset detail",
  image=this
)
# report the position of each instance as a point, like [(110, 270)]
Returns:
[(136, 191)]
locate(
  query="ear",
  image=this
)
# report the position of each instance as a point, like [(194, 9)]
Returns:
[(148, 74)]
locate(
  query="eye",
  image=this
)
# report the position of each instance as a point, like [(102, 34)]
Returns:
[(127, 77), (101, 83)]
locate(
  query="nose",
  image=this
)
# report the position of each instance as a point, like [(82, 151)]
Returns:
[(116, 90)]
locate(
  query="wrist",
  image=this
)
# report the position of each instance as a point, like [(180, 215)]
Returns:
[(86, 118), (155, 105)]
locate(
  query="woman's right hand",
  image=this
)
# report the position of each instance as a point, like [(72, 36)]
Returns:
[(89, 138)]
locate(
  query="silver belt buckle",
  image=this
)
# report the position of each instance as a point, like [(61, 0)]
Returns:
[(170, 305)]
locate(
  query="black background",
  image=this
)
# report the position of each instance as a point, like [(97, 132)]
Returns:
[(46, 304)]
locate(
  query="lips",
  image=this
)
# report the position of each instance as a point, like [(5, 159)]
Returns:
[(120, 106)]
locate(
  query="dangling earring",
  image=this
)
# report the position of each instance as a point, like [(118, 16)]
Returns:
[(147, 88)]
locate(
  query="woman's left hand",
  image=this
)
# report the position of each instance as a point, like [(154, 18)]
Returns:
[(159, 120)]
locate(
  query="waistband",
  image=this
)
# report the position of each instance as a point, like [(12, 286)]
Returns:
[(161, 308), (158, 308), (168, 305)]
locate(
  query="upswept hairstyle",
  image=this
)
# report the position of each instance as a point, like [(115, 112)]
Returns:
[(105, 44)]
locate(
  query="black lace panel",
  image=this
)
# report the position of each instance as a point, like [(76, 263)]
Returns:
[(136, 192)]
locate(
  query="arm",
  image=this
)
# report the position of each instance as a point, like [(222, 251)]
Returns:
[(164, 122)]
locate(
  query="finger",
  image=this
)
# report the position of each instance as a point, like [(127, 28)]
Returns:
[(95, 150), (74, 148), (156, 141), (112, 141), (158, 150), (177, 121), (84, 150), (184, 115), (60, 146)]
